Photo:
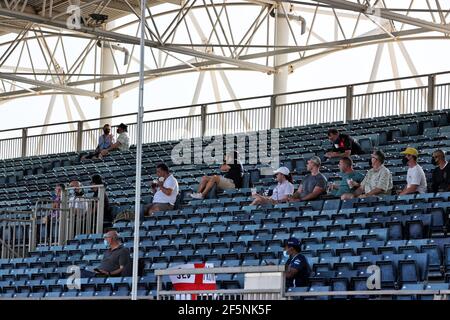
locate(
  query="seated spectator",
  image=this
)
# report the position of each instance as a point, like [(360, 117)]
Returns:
[(107, 212), (415, 179), (122, 143), (314, 185), (281, 192), (76, 196), (165, 191), (104, 142), (116, 260), (232, 178), (440, 181), (298, 269), (343, 145), (377, 182), (350, 179)]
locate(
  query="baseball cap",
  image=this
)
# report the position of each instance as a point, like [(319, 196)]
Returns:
[(282, 170), (123, 126), (316, 160), (292, 242), (411, 151)]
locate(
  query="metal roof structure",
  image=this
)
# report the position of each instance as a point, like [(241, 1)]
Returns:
[(191, 36)]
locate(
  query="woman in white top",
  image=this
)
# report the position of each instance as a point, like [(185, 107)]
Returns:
[(282, 191)]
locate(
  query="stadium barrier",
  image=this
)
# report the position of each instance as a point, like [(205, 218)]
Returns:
[(337, 104), (50, 224)]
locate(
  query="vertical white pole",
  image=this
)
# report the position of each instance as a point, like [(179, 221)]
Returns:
[(107, 67), (139, 156)]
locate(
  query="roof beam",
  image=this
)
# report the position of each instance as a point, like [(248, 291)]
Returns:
[(136, 41), (386, 14)]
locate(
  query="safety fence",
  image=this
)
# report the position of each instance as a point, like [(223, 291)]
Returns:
[(388, 97), (53, 222)]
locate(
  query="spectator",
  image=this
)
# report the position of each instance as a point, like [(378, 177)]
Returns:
[(76, 196), (297, 266), (122, 144), (232, 178), (107, 212), (314, 185), (165, 191), (116, 260), (415, 179), (343, 145), (105, 141), (377, 182), (350, 179), (281, 192), (440, 180)]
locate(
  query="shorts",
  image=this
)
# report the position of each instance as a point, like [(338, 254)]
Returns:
[(163, 206), (225, 183)]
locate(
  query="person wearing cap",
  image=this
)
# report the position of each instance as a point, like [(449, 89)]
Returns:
[(440, 180), (122, 143), (298, 269), (415, 179), (313, 185), (377, 182), (343, 145), (281, 192)]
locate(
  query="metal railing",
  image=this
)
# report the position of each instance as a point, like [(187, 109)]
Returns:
[(274, 294), (51, 223), (329, 104)]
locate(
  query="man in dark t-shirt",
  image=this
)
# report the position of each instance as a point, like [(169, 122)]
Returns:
[(232, 177), (297, 266), (440, 181), (343, 145)]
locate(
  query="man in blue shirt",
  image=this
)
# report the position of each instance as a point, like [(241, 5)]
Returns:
[(105, 141), (297, 267), (350, 179)]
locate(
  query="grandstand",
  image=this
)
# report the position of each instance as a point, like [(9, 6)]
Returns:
[(404, 236)]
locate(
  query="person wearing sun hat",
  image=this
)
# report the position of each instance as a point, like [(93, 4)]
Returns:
[(415, 179), (298, 269), (281, 192)]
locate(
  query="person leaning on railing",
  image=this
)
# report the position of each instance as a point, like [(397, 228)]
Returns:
[(116, 260)]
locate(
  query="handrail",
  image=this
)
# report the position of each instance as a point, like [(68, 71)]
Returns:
[(236, 100)]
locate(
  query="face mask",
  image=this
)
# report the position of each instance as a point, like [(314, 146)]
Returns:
[(106, 131), (434, 162), (405, 161), (72, 193), (285, 254), (106, 243)]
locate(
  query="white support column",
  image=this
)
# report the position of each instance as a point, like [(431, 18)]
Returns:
[(281, 76), (107, 67)]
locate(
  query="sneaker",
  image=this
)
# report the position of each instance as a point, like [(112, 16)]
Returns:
[(197, 195)]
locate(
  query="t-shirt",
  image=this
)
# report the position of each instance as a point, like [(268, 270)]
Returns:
[(104, 142), (235, 173), (440, 180), (382, 179), (113, 259), (343, 185), (161, 197), (300, 263), (416, 176), (310, 182), (344, 142), (124, 140), (282, 190)]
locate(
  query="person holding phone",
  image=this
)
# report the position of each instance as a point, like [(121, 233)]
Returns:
[(282, 191), (116, 260)]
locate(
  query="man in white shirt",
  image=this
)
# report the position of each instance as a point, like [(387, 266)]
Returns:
[(165, 191), (122, 143), (282, 191), (416, 179)]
